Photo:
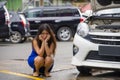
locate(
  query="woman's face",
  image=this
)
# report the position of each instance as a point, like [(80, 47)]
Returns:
[(44, 34)]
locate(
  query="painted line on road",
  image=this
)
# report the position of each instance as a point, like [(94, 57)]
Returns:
[(21, 75)]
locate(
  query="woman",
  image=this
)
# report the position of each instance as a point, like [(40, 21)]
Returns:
[(43, 51)]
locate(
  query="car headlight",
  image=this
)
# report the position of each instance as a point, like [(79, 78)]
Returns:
[(82, 29), (75, 49)]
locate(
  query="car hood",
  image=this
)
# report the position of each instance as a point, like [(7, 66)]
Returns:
[(104, 4)]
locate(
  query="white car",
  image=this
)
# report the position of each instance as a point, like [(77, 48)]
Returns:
[(96, 43)]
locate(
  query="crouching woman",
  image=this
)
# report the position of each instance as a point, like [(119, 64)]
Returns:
[(41, 58)]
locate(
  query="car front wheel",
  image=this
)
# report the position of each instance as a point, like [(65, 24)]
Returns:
[(16, 37), (84, 70), (64, 34)]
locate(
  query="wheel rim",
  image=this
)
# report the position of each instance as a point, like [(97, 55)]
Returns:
[(15, 37), (65, 34)]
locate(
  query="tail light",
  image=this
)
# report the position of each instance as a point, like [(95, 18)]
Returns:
[(7, 19), (7, 22), (23, 23), (81, 19)]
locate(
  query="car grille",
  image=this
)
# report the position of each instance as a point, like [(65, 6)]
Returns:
[(104, 38), (105, 34), (95, 56)]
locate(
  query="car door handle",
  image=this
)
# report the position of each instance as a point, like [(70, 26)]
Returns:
[(37, 21)]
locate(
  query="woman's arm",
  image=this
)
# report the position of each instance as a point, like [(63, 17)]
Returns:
[(39, 51), (49, 50)]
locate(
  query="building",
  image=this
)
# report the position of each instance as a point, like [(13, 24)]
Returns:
[(19, 5)]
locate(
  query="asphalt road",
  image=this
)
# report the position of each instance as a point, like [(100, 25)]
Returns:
[(13, 57), (13, 64)]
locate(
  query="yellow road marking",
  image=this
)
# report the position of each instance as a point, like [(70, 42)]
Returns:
[(19, 74)]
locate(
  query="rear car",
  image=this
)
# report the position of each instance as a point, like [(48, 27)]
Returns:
[(4, 21), (96, 43), (62, 19), (19, 26)]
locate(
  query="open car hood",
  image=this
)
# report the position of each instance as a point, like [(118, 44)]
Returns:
[(104, 4)]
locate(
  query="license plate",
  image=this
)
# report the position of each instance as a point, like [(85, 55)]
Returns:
[(109, 50)]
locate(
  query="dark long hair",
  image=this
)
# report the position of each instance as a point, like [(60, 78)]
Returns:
[(52, 39)]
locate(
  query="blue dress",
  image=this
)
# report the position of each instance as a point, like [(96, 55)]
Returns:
[(31, 58)]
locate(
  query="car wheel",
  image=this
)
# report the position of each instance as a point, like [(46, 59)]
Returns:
[(64, 34), (16, 37), (83, 70)]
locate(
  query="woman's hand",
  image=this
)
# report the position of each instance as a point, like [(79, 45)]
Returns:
[(40, 37), (48, 37)]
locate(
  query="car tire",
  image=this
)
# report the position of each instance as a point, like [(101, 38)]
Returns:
[(64, 34), (83, 70), (23, 40), (16, 37)]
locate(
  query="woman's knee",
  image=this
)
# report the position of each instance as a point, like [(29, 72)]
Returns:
[(39, 59), (49, 59)]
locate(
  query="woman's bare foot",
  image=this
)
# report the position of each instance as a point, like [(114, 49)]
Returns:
[(35, 74), (47, 74)]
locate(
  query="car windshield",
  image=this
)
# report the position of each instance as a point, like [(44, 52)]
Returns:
[(32, 13)]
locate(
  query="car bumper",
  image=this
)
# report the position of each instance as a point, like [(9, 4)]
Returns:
[(80, 58), (27, 32)]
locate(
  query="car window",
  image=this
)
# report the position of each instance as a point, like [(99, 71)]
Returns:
[(66, 12), (49, 13), (52, 12), (69, 12), (33, 14), (76, 12)]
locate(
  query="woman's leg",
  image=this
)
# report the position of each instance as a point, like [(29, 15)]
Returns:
[(48, 64), (38, 62)]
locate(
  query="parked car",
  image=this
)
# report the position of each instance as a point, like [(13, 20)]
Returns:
[(19, 26), (96, 44), (4, 21), (63, 20)]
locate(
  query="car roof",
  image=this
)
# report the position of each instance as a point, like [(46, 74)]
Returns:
[(53, 7)]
